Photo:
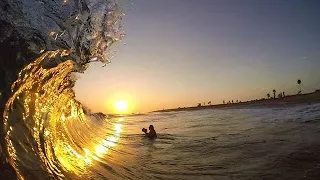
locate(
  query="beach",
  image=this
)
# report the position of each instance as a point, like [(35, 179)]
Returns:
[(292, 100)]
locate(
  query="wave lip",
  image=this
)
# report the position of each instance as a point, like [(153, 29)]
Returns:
[(86, 27)]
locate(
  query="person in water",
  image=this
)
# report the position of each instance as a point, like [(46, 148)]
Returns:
[(152, 133)]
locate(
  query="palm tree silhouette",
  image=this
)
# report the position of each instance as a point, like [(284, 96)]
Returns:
[(274, 93), (299, 83), (268, 95)]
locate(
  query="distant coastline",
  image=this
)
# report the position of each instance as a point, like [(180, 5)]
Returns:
[(308, 98)]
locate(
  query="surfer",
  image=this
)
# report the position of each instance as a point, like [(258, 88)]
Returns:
[(152, 133)]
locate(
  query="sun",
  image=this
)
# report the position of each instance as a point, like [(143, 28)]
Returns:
[(120, 105)]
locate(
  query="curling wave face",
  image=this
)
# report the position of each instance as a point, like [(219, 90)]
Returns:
[(48, 133)]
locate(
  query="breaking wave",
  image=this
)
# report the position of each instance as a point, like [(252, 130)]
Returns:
[(49, 134)]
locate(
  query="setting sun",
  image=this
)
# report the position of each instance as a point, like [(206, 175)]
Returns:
[(121, 105)]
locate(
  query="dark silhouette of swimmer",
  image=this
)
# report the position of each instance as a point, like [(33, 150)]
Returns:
[(152, 133), (144, 130)]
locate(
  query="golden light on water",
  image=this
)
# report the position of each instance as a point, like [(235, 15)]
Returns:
[(51, 109), (117, 127), (121, 105), (102, 148)]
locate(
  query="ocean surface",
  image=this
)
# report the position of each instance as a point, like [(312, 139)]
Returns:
[(47, 134), (260, 143), (246, 143)]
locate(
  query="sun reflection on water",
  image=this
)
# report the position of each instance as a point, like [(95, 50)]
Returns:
[(109, 142), (64, 138)]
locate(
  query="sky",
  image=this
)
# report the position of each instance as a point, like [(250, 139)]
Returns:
[(178, 53)]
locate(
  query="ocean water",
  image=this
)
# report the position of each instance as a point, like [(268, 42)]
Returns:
[(48, 134), (246, 143), (260, 143)]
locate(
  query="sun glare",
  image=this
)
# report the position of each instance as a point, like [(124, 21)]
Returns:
[(121, 105)]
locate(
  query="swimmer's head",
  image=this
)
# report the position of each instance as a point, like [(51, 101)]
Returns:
[(151, 127)]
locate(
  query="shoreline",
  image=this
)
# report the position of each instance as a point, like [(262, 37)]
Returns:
[(292, 100)]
